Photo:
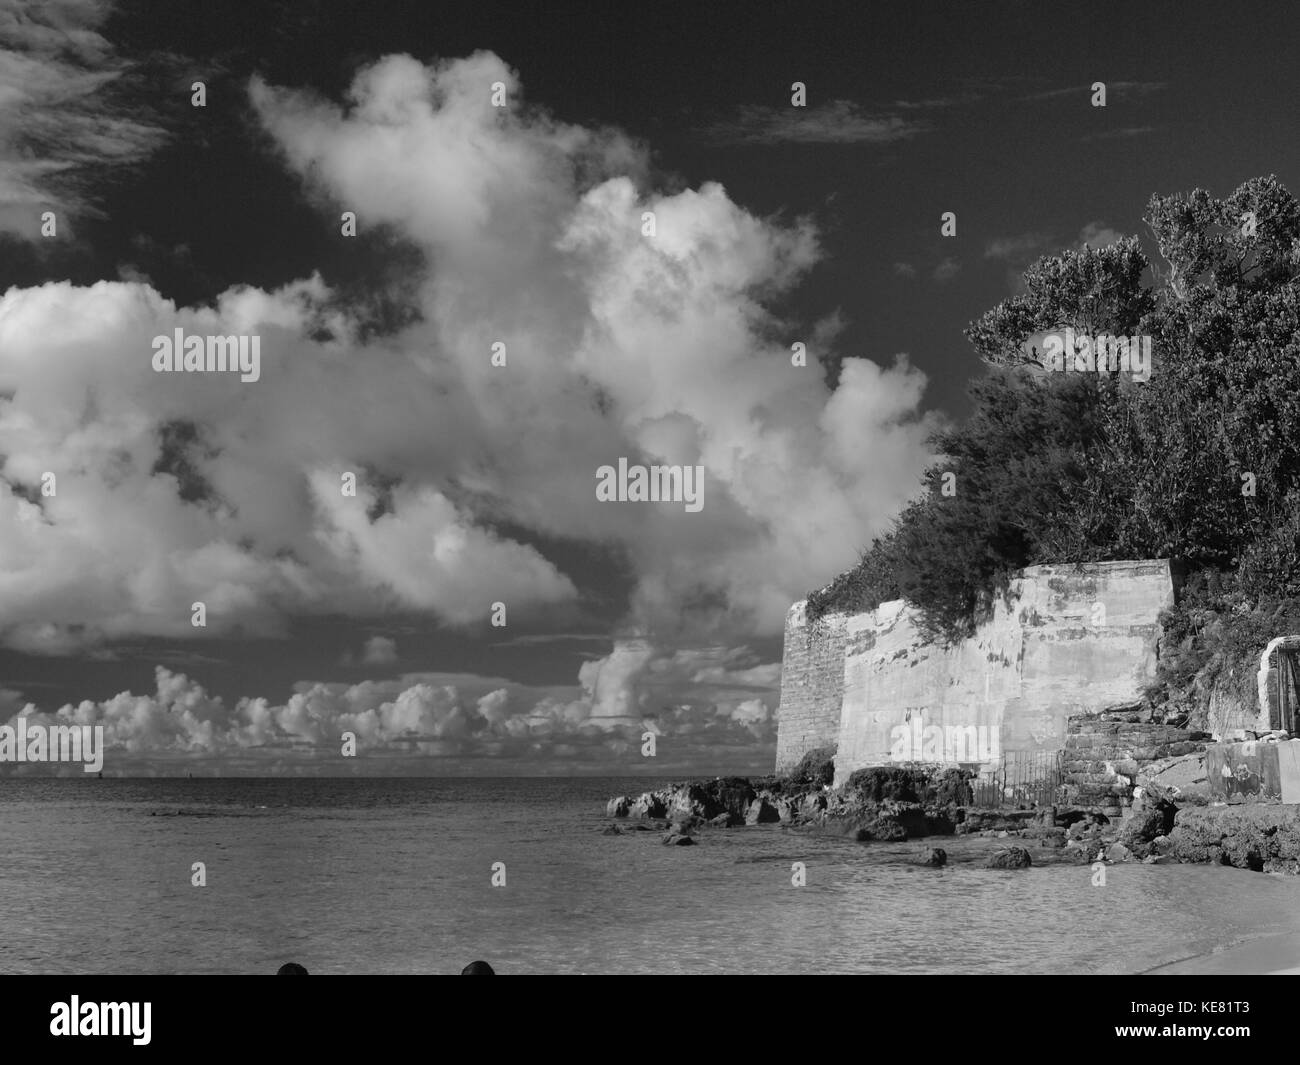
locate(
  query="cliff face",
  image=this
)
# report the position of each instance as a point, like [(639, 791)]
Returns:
[(1072, 640)]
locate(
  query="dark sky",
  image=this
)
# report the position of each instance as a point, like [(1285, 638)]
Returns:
[(913, 109)]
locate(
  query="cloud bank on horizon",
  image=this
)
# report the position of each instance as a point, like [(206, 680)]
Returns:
[(178, 488)]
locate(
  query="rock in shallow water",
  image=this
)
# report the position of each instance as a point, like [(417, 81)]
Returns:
[(1011, 858), (618, 807)]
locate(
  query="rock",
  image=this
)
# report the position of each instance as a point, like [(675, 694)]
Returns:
[(1148, 819), (618, 807), (725, 821), (812, 806), (678, 839), (1011, 858), (692, 800), (1055, 839), (612, 830), (935, 858), (881, 830), (733, 795), (1262, 837), (649, 805), (1118, 853), (787, 811), (815, 768), (1180, 779), (761, 812), (939, 823), (1002, 834)]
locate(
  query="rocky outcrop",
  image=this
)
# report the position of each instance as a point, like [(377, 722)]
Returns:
[(1149, 817), (1262, 837), (619, 806), (649, 805)]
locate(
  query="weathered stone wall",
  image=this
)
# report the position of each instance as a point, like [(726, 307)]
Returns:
[(1104, 753), (812, 685), (1071, 640)]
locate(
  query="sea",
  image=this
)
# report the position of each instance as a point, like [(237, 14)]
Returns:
[(423, 875)]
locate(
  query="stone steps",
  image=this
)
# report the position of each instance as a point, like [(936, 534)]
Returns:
[(1104, 753)]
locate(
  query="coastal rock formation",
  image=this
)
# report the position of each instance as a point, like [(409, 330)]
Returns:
[(761, 812), (649, 805), (1150, 817), (619, 806), (1265, 838), (1011, 858)]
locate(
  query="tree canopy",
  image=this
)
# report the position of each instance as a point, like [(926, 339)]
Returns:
[(1199, 463)]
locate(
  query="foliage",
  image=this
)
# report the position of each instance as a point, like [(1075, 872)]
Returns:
[(1199, 463)]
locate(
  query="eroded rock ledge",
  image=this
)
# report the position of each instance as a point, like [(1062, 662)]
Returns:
[(894, 804)]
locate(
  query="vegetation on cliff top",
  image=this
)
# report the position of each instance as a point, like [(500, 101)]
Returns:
[(1200, 463)]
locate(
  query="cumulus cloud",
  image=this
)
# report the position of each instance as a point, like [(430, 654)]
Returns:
[(723, 713), (177, 488), (58, 118), (377, 651)]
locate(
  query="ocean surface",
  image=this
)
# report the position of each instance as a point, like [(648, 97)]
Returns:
[(394, 876)]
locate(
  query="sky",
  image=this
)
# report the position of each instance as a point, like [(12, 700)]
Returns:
[(501, 162)]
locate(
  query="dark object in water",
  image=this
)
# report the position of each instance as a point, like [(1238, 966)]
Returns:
[(291, 968), (478, 968)]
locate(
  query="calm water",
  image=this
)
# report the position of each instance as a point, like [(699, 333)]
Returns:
[(393, 876)]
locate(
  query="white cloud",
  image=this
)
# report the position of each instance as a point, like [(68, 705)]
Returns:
[(1099, 235), (723, 709), (174, 488), (58, 121), (946, 270), (834, 122)]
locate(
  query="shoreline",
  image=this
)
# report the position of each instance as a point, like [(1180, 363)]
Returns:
[(1265, 954)]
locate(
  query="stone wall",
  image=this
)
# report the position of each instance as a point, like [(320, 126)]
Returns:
[(1070, 640), (812, 684), (1105, 752)]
